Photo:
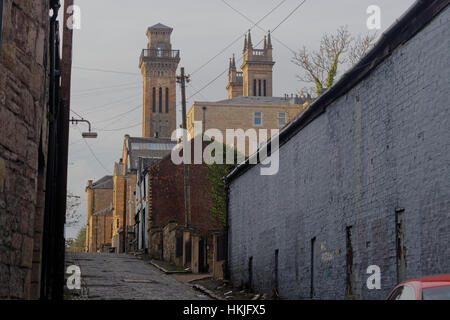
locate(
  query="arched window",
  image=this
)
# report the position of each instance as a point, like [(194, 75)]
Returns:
[(160, 99), (167, 100)]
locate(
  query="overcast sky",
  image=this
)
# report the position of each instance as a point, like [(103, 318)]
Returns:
[(112, 36)]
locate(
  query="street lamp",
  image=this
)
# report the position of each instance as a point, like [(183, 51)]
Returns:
[(86, 135)]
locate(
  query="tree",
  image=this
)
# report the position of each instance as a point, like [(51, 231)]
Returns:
[(216, 189), (79, 243), (321, 67)]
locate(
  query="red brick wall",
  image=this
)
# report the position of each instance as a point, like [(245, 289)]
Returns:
[(167, 197)]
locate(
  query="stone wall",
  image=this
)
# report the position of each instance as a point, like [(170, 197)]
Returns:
[(223, 116), (373, 169), (23, 141)]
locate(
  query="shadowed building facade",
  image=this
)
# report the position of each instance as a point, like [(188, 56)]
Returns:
[(363, 181)]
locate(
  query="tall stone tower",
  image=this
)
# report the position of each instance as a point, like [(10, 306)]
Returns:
[(158, 64), (257, 68)]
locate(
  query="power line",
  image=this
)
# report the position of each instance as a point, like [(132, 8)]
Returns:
[(108, 87), (251, 21), (106, 105), (237, 39), (104, 91), (93, 153), (289, 15), (119, 115), (105, 70), (120, 129), (273, 30), (76, 113), (112, 118)]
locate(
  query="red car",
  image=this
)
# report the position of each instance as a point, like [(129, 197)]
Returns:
[(435, 287)]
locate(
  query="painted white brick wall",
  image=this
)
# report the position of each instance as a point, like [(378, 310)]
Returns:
[(384, 145)]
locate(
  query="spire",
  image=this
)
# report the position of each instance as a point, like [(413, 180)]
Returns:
[(230, 68), (269, 41), (265, 42), (233, 63), (250, 45)]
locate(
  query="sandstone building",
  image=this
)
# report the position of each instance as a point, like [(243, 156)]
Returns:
[(99, 225), (363, 180), (250, 104)]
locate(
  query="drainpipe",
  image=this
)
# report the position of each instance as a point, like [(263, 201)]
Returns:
[(124, 224), (49, 280)]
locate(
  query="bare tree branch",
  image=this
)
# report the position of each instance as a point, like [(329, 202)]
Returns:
[(361, 47), (321, 67), (73, 215)]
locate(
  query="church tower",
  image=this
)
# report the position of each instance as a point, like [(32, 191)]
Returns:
[(234, 86), (257, 68), (158, 64)]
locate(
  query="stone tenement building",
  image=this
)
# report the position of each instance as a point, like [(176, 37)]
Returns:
[(250, 104), (364, 177), (24, 83), (99, 214), (158, 64), (124, 185), (161, 226)]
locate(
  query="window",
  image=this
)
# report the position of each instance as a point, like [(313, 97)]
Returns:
[(265, 88), (403, 293), (160, 99), (154, 100), (257, 120), (254, 88), (436, 293), (259, 87), (167, 100), (281, 118)]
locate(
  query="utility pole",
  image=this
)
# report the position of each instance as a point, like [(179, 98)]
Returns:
[(182, 79)]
